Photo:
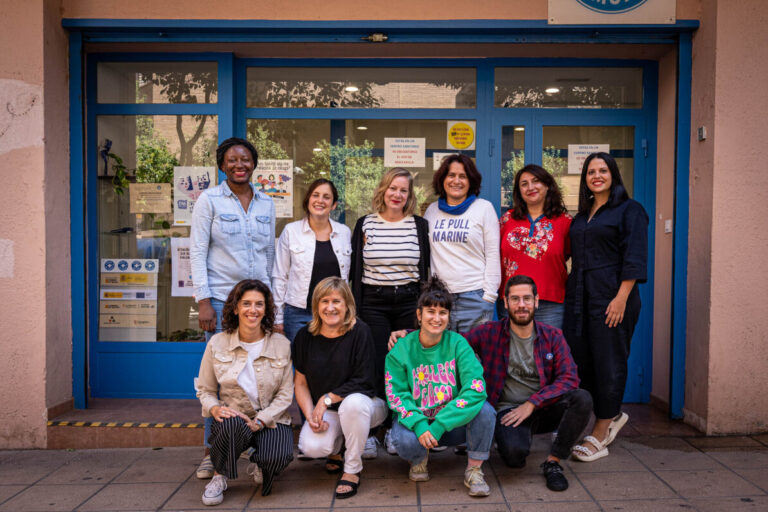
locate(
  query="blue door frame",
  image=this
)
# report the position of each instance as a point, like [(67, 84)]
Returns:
[(104, 357)]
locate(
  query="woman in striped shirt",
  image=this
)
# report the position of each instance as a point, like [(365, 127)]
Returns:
[(390, 258)]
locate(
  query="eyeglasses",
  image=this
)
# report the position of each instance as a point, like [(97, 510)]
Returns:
[(527, 299)]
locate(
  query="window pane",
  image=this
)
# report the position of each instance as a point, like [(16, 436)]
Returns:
[(361, 87), (137, 225), (512, 160), (620, 140), (350, 153), (569, 87), (157, 82)]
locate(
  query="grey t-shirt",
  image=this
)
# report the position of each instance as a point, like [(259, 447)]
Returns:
[(522, 375)]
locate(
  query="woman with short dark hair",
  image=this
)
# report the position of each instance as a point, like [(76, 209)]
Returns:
[(609, 250), (308, 251), (534, 240), (246, 385), (464, 242)]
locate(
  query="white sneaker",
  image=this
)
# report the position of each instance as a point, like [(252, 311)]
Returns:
[(255, 471), (214, 491), (388, 444), (371, 448)]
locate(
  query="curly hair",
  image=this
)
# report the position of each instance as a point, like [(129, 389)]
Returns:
[(232, 142), (553, 203), (229, 319), (475, 179)]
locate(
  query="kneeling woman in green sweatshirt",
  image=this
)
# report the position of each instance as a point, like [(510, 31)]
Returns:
[(434, 384)]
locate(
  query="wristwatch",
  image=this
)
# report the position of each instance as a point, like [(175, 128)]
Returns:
[(327, 400)]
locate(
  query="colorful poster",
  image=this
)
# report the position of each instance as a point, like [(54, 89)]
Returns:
[(188, 183), (275, 178), (150, 197), (461, 134), (402, 152), (181, 268), (577, 153)]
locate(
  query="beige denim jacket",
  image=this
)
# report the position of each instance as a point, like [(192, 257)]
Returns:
[(225, 358)]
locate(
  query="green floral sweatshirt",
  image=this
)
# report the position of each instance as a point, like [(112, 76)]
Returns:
[(437, 388)]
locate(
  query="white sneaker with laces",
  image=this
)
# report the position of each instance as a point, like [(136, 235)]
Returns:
[(371, 448), (255, 471), (474, 479), (214, 491), (388, 444)]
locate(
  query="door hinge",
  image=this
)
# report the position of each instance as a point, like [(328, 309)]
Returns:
[(644, 145), (490, 147)]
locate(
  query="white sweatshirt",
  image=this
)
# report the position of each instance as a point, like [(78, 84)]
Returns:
[(465, 248)]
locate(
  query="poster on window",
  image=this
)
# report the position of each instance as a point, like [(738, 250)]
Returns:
[(275, 178), (189, 182), (150, 197), (577, 153), (128, 299), (402, 152), (181, 268)]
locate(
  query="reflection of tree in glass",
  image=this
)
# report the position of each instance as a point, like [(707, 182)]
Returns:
[(354, 171), (154, 162), (308, 94), (264, 141), (604, 96), (551, 161), (181, 87)]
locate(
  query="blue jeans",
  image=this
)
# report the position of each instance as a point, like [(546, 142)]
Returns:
[(470, 310), (551, 313), (477, 434), (294, 319), (218, 307)]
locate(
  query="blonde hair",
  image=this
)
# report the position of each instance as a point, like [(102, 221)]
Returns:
[(324, 288), (386, 181)]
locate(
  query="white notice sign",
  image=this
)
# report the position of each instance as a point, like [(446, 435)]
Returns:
[(275, 178), (577, 153), (400, 152), (181, 268)]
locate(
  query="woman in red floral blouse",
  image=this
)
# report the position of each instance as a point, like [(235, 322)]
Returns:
[(534, 240)]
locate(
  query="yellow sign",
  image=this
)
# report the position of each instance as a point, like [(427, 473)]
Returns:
[(126, 279), (461, 134)]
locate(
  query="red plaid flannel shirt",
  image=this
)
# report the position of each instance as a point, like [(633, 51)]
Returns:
[(557, 370)]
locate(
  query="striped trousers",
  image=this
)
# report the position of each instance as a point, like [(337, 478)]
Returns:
[(273, 448)]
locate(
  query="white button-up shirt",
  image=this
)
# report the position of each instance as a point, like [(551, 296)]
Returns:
[(295, 258), (227, 244)]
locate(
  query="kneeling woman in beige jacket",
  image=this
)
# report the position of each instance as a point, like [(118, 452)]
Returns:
[(246, 384)]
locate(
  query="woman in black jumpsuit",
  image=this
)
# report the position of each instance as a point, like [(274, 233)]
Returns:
[(609, 251)]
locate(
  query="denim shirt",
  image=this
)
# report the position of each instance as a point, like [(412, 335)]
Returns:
[(227, 244)]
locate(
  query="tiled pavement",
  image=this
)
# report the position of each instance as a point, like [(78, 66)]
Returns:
[(671, 470)]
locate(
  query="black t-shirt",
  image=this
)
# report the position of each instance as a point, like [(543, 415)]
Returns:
[(342, 365), (325, 265)]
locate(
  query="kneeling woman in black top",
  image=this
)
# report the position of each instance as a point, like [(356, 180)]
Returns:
[(335, 383)]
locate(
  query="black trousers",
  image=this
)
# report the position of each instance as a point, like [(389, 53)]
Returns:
[(569, 416), (386, 309), (273, 448), (601, 354)]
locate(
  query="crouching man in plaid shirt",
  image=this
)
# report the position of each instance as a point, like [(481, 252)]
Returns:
[(531, 380)]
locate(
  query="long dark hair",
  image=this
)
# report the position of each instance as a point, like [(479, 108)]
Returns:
[(553, 204), (618, 192), (229, 319)]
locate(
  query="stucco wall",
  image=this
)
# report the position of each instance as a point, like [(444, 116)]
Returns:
[(22, 226), (35, 370), (332, 10), (726, 366)]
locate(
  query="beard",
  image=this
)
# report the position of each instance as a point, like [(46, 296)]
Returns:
[(522, 321)]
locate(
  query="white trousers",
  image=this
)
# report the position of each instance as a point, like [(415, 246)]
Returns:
[(349, 427)]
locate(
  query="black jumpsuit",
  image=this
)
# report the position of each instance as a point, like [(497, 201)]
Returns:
[(609, 249)]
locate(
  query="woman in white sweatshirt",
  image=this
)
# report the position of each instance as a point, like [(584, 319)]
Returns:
[(464, 242)]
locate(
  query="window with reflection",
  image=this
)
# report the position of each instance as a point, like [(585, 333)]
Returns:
[(284, 87), (568, 87)]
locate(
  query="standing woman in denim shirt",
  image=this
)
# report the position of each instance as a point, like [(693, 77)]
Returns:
[(308, 251), (232, 238)]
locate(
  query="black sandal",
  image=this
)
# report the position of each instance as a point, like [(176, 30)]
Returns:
[(338, 465), (348, 494)]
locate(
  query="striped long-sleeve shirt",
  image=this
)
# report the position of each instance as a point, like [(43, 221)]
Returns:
[(390, 251)]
